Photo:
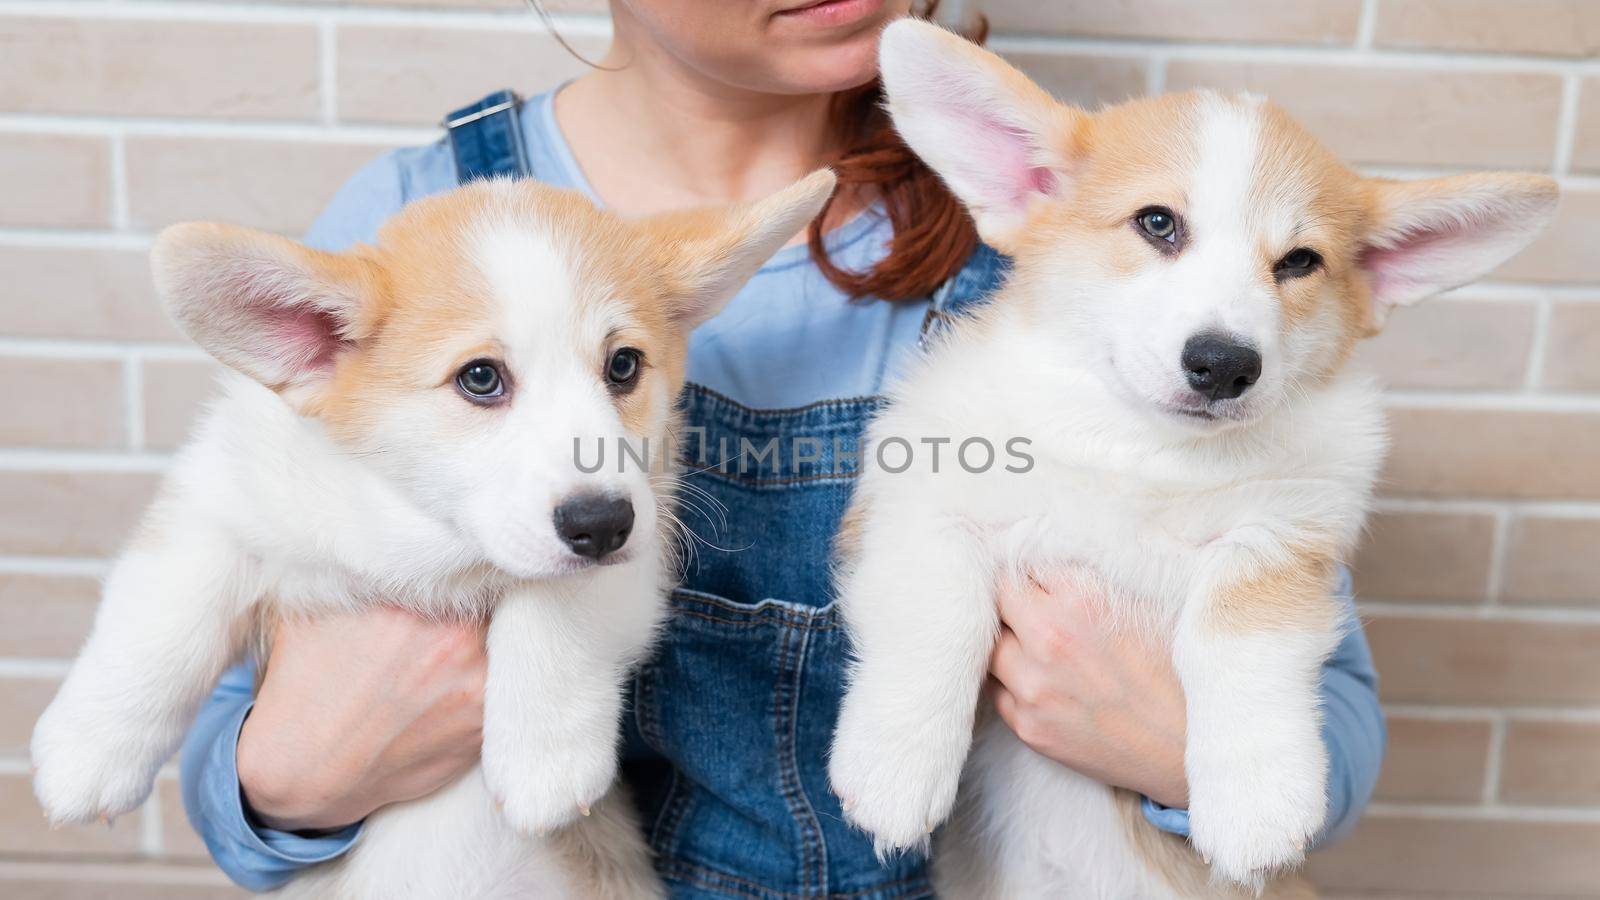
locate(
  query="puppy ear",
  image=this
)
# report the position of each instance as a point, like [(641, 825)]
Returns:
[(1431, 236), (262, 304), (710, 253), (996, 138)]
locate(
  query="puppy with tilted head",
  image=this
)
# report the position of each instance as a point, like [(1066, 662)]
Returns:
[(1191, 273), (401, 426)]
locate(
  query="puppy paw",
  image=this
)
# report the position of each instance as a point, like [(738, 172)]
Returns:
[(1257, 817), (540, 794), (897, 785), (84, 771)]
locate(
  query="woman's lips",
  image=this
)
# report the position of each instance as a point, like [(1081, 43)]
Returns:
[(830, 13)]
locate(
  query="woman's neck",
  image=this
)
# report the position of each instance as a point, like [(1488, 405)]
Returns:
[(651, 134)]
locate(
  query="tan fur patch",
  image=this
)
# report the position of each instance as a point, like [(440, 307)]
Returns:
[(1296, 171), (852, 531), (1119, 161), (1292, 595)]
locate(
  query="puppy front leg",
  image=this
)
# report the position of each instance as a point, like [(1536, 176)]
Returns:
[(1249, 651), (559, 654), (919, 604), (168, 624)]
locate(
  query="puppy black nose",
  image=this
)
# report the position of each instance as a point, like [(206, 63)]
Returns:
[(594, 524), (1218, 367)]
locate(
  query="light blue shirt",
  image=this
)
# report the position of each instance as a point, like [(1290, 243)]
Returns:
[(787, 339)]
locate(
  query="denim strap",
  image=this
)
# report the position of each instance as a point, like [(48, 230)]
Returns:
[(977, 279), (486, 138)]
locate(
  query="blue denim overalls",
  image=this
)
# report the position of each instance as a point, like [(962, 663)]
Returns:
[(732, 719)]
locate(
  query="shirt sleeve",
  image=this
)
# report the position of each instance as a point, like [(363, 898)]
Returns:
[(1352, 727), (374, 193), (254, 856)]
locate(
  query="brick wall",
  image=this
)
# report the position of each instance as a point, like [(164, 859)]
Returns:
[(1481, 585)]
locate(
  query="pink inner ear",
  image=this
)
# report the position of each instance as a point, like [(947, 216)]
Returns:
[(1382, 267), (293, 338), (1420, 261), (307, 339), (1042, 180), (1014, 180)]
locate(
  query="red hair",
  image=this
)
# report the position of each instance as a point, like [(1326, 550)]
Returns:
[(933, 234)]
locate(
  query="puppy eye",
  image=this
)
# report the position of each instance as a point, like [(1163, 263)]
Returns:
[(1296, 263), (481, 381), (622, 373), (1158, 223)]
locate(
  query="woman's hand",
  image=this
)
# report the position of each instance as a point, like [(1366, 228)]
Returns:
[(358, 711), (1105, 702)]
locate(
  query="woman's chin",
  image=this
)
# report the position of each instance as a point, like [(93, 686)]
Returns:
[(823, 70)]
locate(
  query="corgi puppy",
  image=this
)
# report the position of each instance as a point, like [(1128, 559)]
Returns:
[(1190, 275), (400, 427)]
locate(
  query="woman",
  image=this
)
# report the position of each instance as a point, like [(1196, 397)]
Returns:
[(699, 103)]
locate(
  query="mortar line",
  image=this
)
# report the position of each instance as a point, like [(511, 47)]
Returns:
[(1155, 74), (1494, 759), (1539, 350), (120, 216), (327, 69), (1567, 124), (133, 400), (1499, 550), (267, 12), (1367, 25), (1478, 612)]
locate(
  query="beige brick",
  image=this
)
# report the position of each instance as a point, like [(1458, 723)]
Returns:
[(1307, 22), (1406, 116), (55, 180), (23, 828), (588, 7), (178, 840), (1425, 556), (80, 293), (1494, 453), (1485, 662), (555, 6), (1586, 149), (96, 65), (416, 75), (1572, 355), (1553, 561), (1551, 763), (1551, 27), (1434, 760), (173, 393), (1085, 80), (417, 4), (1565, 252), (61, 402), (22, 700), (45, 616), (71, 513), (1453, 344), (1463, 858), (86, 880), (277, 185)]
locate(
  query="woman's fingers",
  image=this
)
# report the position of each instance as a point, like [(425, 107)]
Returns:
[(1005, 703), (1008, 663), (1023, 603)]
